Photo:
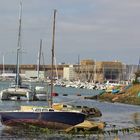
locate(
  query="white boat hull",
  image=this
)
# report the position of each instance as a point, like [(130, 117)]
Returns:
[(19, 92)]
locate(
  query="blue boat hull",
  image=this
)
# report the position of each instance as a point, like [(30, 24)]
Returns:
[(115, 91), (44, 119)]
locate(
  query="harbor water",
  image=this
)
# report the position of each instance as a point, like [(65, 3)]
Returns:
[(115, 115)]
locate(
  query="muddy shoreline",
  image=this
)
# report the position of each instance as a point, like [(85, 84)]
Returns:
[(130, 96)]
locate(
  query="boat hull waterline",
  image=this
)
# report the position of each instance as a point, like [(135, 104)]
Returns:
[(57, 120)]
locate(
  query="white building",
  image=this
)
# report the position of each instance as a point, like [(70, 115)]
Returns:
[(34, 74), (69, 73)]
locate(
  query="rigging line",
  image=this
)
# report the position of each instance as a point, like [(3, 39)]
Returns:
[(43, 61), (39, 59)]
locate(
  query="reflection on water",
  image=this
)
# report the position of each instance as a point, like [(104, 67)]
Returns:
[(136, 118)]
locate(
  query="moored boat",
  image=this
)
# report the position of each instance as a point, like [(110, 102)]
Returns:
[(41, 93), (18, 92), (43, 117)]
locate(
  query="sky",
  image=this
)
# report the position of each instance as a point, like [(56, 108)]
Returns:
[(101, 30)]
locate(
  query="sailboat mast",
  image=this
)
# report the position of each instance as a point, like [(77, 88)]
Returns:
[(52, 65), (18, 46), (20, 22), (39, 59), (3, 64), (78, 67), (56, 68), (94, 71), (138, 68)]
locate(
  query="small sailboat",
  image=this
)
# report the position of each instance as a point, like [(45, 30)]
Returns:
[(40, 88), (44, 116)]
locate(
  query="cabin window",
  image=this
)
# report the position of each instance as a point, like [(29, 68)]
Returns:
[(37, 109), (44, 109), (51, 110)]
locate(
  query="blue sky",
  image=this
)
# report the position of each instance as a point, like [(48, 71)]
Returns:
[(102, 30)]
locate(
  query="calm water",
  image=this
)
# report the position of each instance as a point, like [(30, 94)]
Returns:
[(116, 114)]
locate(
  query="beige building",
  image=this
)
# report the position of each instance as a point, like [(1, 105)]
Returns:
[(69, 73), (89, 70), (86, 70), (109, 71)]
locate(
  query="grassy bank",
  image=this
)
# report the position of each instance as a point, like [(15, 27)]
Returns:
[(130, 96)]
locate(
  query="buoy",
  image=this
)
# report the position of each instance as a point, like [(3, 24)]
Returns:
[(54, 94), (78, 94)]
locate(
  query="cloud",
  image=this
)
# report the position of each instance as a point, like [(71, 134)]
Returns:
[(91, 28)]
